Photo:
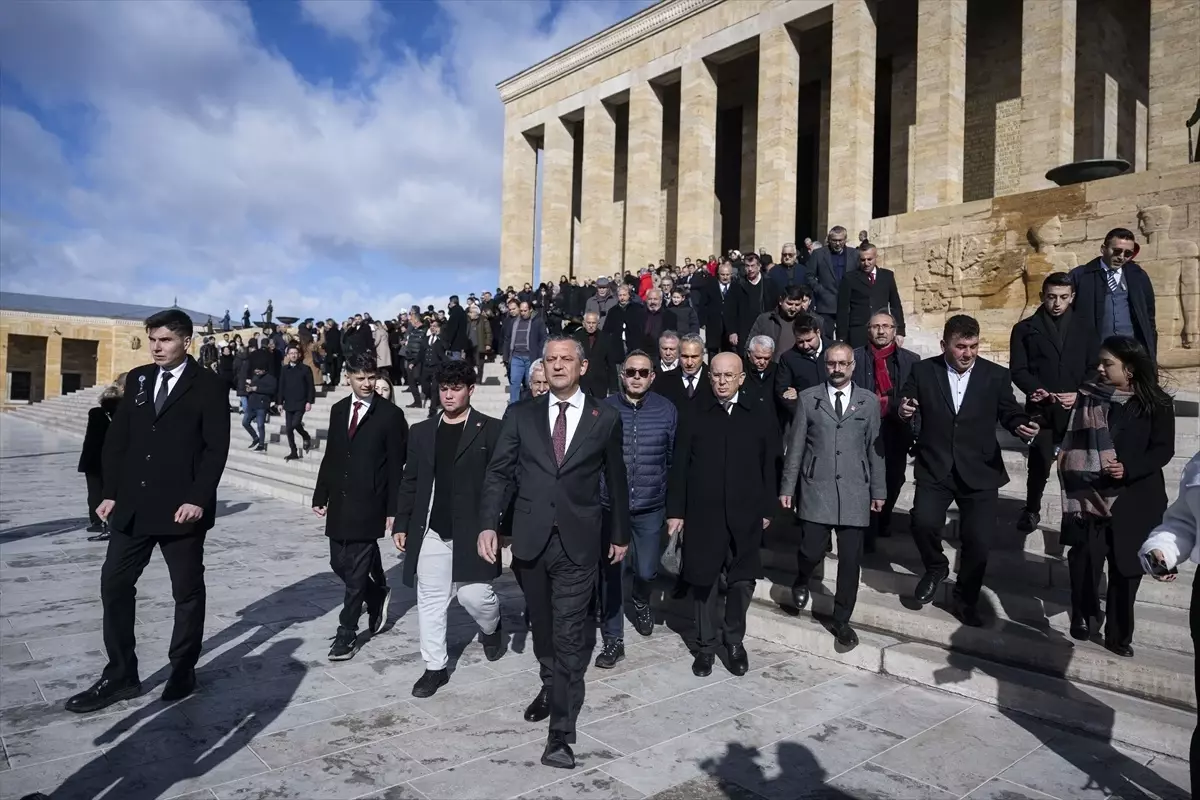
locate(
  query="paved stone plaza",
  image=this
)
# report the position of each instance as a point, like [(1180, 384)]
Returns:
[(274, 719)]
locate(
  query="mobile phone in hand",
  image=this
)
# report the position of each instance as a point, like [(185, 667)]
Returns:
[(1158, 567)]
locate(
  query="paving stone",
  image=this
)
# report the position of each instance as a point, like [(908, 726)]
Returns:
[(594, 784), (340, 733), (873, 782)]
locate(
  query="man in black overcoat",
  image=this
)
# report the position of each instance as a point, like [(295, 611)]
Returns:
[(1050, 355), (955, 401), (600, 354), (552, 451), (297, 391), (827, 268), (357, 487), (717, 295), (721, 495), (1115, 294), (163, 458), (803, 365), (864, 292), (437, 522)]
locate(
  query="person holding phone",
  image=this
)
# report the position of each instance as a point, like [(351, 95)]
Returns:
[(1120, 436)]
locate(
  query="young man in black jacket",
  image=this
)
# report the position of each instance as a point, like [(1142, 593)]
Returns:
[(296, 394), (356, 492)]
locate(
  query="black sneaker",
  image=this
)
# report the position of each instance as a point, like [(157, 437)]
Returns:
[(292, 457), (643, 619), (1029, 521), (260, 448), (493, 644), (377, 617), (613, 652), (430, 682), (345, 645), (253, 445)]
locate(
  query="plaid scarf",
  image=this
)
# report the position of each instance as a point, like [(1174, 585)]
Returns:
[(1086, 448)]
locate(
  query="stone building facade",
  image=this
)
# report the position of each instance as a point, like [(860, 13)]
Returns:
[(696, 126)]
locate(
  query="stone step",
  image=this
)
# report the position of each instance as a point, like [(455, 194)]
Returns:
[(1155, 674), (1094, 710)]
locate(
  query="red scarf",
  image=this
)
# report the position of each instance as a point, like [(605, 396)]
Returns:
[(883, 381)]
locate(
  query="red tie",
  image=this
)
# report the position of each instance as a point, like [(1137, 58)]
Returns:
[(354, 418), (871, 278), (559, 435)]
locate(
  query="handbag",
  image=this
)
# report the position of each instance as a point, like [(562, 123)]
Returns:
[(671, 561)]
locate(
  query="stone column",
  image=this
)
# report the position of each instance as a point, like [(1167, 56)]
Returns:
[(696, 230), (643, 196), (941, 99), (53, 365), (558, 157), (600, 247), (1047, 89), (1174, 80), (778, 128), (852, 115), (517, 198)]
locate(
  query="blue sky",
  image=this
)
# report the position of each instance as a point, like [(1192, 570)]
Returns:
[(333, 155)]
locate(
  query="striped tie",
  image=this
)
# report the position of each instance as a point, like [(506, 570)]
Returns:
[(1114, 281)]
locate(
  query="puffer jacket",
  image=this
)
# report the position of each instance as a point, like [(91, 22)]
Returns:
[(649, 430)]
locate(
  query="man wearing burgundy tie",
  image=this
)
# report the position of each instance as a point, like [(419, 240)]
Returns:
[(552, 452), (357, 488), (864, 292)]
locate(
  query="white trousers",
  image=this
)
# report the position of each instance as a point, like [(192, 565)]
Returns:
[(435, 590)]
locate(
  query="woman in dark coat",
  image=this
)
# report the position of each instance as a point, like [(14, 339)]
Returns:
[(1120, 436), (91, 458)]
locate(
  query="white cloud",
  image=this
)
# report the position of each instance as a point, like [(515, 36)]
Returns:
[(205, 160)]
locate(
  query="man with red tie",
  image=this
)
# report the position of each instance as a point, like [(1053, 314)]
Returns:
[(863, 293), (356, 492)]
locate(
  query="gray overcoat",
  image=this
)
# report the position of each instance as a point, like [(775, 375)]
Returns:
[(837, 462)]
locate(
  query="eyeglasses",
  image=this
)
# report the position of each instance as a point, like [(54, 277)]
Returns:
[(842, 364), (723, 377), (637, 372), (1119, 251)]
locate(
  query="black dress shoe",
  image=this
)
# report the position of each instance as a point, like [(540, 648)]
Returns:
[(800, 595), (1122, 650), (702, 665), (102, 694), (179, 685), (968, 613), (292, 457), (493, 644), (1028, 521), (845, 635), (539, 709), (1080, 630), (739, 661), (558, 753), (429, 682), (927, 586), (100, 537)]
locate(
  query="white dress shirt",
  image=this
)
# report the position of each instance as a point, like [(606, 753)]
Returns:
[(176, 373), (958, 384), (1109, 271), (574, 414), (694, 382), (731, 402), (362, 410), (844, 391), (665, 367)]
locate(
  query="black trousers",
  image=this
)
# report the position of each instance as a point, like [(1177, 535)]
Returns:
[(333, 365), (294, 421), (360, 568), (1086, 565), (127, 556), (896, 445), (976, 518), (813, 546), (558, 594), (431, 391), (414, 381), (710, 624), (95, 490)]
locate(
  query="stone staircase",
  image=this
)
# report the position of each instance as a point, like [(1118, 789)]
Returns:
[(1023, 659)]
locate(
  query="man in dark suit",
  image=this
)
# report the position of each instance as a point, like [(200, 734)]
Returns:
[(356, 493), (861, 293), (1051, 354), (883, 367), (625, 324), (437, 522), (721, 495), (955, 401), (552, 451), (600, 377), (760, 369), (1115, 295), (163, 458), (803, 366), (753, 295), (716, 294), (454, 332), (433, 355), (827, 266), (91, 457), (296, 394), (683, 385)]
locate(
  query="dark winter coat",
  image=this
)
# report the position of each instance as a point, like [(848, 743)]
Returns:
[(649, 433)]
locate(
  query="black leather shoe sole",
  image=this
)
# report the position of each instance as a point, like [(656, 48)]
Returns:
[(86, 705), (800, 596)]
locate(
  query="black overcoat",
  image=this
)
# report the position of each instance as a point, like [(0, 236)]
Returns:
[(1042, 357), (722, 484), (475, 448)]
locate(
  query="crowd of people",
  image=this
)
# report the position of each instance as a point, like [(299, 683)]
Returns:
[(678, 409)]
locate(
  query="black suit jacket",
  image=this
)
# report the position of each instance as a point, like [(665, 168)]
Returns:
[(475, 447), (153, 464), (858, 299), (1039, 358), (1091, 289), (359, 479), (864, 375), (454, 332), (91, 457), (799, 372), (716, 335), (1145, 444), (296, 387), (763, 387), (548, 495), (601, 373), (966, 441), (671, 386), (741, 309), (824, 282), (631, 322)]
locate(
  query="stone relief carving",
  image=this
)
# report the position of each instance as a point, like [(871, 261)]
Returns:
[(962, 267), (1045, 259), (1174, 268), (135, 343)]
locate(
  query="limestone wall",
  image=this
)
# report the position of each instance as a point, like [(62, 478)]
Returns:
[(987, 258)]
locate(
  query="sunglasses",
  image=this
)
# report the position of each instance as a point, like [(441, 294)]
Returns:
[(637, 372), (1118, 251)]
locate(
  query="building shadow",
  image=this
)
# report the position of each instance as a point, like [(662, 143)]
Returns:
[(227, 509), (48, 528), (240, 693)]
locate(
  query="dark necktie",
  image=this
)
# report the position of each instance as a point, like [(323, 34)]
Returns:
[(164, 388), (559, 437), (354, 418), (871, 278), (691, 385), (838, 408), (1114, 281)]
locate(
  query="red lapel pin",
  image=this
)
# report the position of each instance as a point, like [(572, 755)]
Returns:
[(595, 412)]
